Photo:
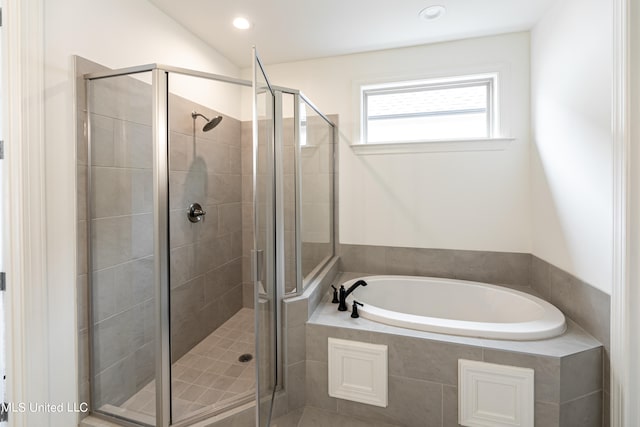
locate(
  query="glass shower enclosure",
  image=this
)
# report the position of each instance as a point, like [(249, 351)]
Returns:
[(188, 206), (173, 337), (265, 253)]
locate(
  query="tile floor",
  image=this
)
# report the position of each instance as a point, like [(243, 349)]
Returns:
[(210, 374), (316, 417)]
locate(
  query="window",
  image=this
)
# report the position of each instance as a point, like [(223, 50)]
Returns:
[(416, 111)]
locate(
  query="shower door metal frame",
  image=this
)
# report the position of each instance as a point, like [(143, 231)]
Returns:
[(160, 180), (273, 259), (297, 165), (160, 137), (299, 97)]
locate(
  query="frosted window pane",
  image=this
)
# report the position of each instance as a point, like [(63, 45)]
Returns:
[(428, 101), (427, 128), (428, 112)]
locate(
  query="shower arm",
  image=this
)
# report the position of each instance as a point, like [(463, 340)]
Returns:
[(195, 115)]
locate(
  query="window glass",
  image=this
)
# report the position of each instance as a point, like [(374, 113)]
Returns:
[(428, 111)]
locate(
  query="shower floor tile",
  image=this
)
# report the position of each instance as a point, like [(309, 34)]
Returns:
[(210, 374)]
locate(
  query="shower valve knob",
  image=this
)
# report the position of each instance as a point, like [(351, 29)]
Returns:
[(195, 213)]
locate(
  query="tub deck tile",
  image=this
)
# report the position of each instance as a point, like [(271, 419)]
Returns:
[(574, 340), (423, 370)]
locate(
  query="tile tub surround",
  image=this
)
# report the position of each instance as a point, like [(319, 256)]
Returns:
[(423, 371), (583, 303), (490, 267), (579, 301), (296, 312)]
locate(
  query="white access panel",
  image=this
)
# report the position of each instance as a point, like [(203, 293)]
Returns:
[(491, 395), (358, 371)]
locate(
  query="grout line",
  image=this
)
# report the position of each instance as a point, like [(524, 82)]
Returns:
[(442, 405), (131, 261), (129, 215), (582, 397)]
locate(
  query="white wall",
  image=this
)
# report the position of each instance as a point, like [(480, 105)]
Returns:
[(458, 200), (571, 58), (115, 33)]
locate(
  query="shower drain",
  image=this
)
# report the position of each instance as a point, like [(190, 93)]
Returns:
[(245, 358)]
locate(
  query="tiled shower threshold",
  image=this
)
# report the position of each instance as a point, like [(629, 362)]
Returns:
[(207, 379)]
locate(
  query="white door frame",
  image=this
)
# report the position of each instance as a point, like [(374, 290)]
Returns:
[(28, 369), (625, 319)]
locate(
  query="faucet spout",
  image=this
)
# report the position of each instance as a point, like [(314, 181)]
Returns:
[(354, 286), (342, 306)]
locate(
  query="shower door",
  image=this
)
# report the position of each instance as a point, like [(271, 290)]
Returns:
[(264, 254)]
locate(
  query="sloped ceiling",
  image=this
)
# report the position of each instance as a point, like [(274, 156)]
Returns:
[(292, 30)]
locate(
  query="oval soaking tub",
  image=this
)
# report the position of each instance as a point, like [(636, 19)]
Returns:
[(456, 307)]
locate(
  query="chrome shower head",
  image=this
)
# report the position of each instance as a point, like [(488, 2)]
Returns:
[(210, 123)]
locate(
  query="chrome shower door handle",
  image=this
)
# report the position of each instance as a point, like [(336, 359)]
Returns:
[(195, 213), (257, 265)]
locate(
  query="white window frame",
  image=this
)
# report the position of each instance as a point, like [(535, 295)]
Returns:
[(488, 79)]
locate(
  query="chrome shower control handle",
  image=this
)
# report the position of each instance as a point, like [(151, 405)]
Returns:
[(195, 212)]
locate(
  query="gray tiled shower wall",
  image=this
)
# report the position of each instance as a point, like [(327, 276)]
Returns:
[(206, 258), (246, 145)]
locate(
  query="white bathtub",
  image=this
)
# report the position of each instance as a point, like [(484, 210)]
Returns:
[(456, 307)]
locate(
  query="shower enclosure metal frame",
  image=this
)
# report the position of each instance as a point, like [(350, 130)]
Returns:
[(160, 176), (300, 284), (300, 98), (160, 105)]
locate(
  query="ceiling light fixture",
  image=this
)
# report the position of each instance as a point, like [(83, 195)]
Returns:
[(432, 13), (241, 23)]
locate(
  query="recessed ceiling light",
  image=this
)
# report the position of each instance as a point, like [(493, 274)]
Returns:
[(432, 13), (241, 23)]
